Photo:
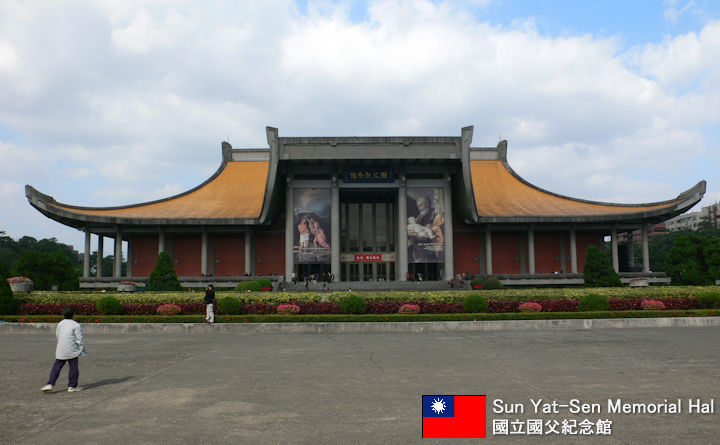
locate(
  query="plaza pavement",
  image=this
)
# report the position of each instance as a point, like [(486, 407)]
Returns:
[(224, 386)]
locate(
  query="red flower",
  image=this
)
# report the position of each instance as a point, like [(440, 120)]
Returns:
[(478, 286)]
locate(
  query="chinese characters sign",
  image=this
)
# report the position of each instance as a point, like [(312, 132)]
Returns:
[(369, 174)]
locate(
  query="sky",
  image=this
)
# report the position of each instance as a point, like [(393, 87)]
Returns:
[(120, 102)]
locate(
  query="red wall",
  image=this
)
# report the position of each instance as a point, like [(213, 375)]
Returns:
[(583, 240), (547, 252), (145, 252), (270, 247), (187, 254), (466, 247), (230, 250), (506, 246)]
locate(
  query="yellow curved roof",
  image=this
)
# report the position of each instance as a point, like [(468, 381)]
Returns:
[(236, 192), (499, 193)]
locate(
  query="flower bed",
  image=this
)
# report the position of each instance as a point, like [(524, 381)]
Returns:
[(373, 307), (325, 318), (21, 284)]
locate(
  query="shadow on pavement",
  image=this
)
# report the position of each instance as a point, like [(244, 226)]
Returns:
[(107, 382)]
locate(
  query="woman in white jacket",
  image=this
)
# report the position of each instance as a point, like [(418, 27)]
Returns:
[(70, 345)]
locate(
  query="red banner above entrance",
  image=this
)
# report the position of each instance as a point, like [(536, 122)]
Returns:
[(367, 257)]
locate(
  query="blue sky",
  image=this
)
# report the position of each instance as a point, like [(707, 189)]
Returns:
[(115, 103)]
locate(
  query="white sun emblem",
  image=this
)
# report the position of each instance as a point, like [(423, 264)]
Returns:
[(438, 406)]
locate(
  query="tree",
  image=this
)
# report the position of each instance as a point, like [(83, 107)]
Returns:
[(598, 271), (8, 306), (47, 269), (11, 250), (686, 262), (163, 277), (711, 252)]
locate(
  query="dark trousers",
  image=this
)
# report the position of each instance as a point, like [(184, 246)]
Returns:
[(72, 377)]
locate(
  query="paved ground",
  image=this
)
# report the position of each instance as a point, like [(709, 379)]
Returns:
[(208, 388)]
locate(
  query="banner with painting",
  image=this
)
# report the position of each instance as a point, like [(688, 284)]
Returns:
[(312, 226), (425, 225)]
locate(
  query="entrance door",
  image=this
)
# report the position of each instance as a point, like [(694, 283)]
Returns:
[(367, 226)]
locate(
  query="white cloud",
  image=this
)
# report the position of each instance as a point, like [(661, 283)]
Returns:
[(124, 102), (673, 12)]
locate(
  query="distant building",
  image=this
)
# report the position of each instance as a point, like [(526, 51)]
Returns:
[(692, 220)]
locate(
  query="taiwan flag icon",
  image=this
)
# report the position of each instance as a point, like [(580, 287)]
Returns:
[(453, 417)]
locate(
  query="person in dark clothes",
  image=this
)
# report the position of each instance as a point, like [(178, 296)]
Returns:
[(211, 304)]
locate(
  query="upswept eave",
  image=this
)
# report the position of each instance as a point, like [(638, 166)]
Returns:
[(233, 195), (500, 195)]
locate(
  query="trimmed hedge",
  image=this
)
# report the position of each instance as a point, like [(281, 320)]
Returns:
[(475, 303), (325, 318), (710, 300), (109, 306), (353, 304), (251, 286), (229, 305), (594, 302)]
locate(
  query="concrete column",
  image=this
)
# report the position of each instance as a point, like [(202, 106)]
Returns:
[(573, 252), (335, 228), (129, 267), (645, 249), (86, 257), (630, 250), (117, 273), (531, 250), (248, 252), (402, 241), (100, 256), (204, 253), (614, 250), (290, 229), (161, 241), (449, 252), (488, 250)]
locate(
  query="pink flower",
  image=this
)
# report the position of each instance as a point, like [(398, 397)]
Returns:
[(409, 309), (288, 309), (168, 309), (652, 305), (530, 306)]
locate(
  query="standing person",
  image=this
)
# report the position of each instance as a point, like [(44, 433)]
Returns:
[(70, 345), (211, 303)]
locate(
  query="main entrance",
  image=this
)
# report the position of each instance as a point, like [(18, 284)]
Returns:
[(368, 222)]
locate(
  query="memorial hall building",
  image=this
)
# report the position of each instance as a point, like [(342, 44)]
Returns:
[(363, 209)]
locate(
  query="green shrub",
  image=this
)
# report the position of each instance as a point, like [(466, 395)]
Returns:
[(252, 286), (710, 300), (353, 304), (229, 306), (477, 281), (594, 302), (8, 306), (109, 306), (492, 283), (475, 303), (264, 282), (598, 271), (163, 277)]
